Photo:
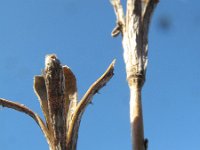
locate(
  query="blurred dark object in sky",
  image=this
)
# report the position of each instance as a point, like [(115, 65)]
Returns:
[(164, 23)]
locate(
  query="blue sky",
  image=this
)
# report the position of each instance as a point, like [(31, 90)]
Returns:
[(79, 33)]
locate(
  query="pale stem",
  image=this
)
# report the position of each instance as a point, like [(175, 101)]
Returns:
[(136, 118)]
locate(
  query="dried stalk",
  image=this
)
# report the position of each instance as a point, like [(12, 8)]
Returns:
[(57, 93), (22, 108), (134, 30), (87, 98)]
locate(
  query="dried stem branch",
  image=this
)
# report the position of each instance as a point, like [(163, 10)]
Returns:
[(119, 12), (26, 110), (87, 98), (135, 44)]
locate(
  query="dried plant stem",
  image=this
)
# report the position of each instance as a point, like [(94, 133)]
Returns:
[(136, 117), (57, 93), (84, 102), (134, 30), (26, 110)]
